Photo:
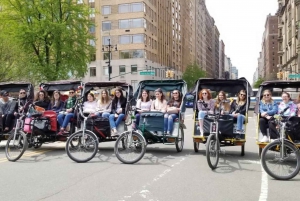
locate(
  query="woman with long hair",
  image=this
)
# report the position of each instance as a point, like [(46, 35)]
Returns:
[(159, 104), (117, 111), (173, 108), (56, 104), (238, 111), (42, 99), (90, 105), (143, 104), (222, 103), (267, 108), (103, 104), (205, 104)]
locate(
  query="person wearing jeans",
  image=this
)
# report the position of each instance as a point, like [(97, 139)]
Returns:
[(173, 108), (205, 105), (144, 105)]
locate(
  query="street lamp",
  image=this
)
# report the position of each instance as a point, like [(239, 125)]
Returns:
[(109, 48)]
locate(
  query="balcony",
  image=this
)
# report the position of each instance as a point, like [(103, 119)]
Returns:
[(280, 38)]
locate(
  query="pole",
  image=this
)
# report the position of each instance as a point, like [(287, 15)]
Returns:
[(109, 60)]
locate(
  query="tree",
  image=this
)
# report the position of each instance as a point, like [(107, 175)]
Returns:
[(192, 73), (54, 34), (258, 82)]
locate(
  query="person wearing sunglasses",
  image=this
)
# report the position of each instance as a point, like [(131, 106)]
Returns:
[(238, 111), (67, 112), (267, 108), (205, 105), (173, 108), (42, 99), (7, 109)]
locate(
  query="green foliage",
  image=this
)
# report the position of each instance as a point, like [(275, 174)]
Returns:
[(54, 35), (258, 82), (192, 73)]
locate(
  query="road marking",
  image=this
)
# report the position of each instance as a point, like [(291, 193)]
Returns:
[(264, 186), (28, 154)]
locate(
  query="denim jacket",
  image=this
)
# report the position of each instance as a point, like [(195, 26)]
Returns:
[(270, 108)]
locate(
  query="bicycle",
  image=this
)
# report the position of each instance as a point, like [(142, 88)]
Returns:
[(282, 150)]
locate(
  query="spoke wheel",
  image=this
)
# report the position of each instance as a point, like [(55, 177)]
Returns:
[(130, 147), (278, 166), (180, 140), (82, 149), (128, 120), (14, 149), (212, 151)]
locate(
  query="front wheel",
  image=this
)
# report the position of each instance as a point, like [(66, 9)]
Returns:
[(212, 151), (179, 140), (130, 147), (82, 148), (281, 166), (15, 147)]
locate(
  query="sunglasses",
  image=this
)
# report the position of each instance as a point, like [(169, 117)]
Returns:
[(266, 94), (71, 92), (22, 92), (243, 94)]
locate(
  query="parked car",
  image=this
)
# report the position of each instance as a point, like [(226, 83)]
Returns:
[(189, 101)]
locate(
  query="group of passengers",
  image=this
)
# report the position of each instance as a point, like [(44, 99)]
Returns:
[(236, 109)]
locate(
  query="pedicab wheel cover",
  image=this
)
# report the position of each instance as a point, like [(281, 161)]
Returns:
[(275, 148), (91, 142), (123, 145), (20, 144), (212, 150), (179, 140), (196, 146)]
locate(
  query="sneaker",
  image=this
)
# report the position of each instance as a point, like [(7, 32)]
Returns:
[(168, 133), (114, 132), (265, 139), (165, 132)]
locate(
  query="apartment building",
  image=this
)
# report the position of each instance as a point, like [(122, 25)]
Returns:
[(221, 59), (288, 41), (234, 73), (227, 67), (215, 50), (200, 39)]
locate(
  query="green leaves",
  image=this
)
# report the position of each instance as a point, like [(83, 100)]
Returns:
[(192, 73), (258, 82)]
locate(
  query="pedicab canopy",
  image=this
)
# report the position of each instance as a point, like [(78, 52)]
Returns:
[(280, 85), (13, 88), (107, 85), (61, 85)]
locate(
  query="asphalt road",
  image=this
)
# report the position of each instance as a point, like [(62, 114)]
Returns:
[(163, 174)]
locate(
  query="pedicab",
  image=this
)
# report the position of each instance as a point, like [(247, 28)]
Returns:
[(41, 126), (284, 150), (151, 127), (219, 130), (83, 144)]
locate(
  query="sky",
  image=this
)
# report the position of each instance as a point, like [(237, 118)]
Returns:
[(241, 24)]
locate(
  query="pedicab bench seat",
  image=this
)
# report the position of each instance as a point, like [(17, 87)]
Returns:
[(225, 125), (154, 121)]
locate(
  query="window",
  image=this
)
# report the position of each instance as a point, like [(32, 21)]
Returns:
[(92, 43), (124, 8), (131, 23), (129, 54), (106, 10), (105, 55), (133, 69), (137, 7), (92, 28), (133, 7), (105, 70), (106, 26), (137, 23), (93, 71), (124, 39), (124, 55), (105, 40), (122, 70), (138, 54), (92, 12), (138, 38), (124, 24)]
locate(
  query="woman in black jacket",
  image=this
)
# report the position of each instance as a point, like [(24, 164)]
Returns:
[(42, 99), (238, 110), (117, 111)]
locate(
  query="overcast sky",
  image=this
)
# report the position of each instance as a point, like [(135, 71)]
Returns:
[(241, 25)]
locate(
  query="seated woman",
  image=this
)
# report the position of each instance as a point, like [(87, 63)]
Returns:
[(7, 109), (173, 108), (286, 102), (42, 99), (56, 104), (143, 104), (204, 98), (90, 105), (103, 104), (222, 104), (67, 112), (238, 111), (159, 104), (118, 111), (267, 108)]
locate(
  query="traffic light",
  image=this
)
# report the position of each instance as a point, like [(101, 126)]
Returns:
[(171, 73), (168, 73)]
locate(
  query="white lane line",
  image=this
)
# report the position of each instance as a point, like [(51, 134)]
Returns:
[(264, 186)]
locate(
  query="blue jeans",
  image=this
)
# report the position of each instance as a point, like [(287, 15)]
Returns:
[(137, 119), (239, 122), (202, 114), (105, 114), (113, 123), (169, 122), (63, 120)]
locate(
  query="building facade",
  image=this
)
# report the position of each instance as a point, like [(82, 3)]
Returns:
[(288, 37), (221, 59), (227, 67), (234, 73), (216, 41)]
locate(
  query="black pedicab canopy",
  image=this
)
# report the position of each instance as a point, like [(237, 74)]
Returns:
[(14, 87), (61, 85), (282, 84)]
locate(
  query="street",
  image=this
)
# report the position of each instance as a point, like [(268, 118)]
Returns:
[(163, 174)]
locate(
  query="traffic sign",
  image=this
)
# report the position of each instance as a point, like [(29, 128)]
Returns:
[(147, 73), (294, 75)]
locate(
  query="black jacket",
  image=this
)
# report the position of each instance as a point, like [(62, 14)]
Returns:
[(238, 109), (114, 105), (44, 104)]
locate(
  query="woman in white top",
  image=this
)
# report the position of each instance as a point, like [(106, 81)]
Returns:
[(143, 105), (103, 104), (90, 105), (159, 104)]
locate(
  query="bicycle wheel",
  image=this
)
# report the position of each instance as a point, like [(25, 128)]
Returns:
[(179, 140), (212, 151), (285, 166), (82, 150), (130, 147), (14, 149), (128, 120)]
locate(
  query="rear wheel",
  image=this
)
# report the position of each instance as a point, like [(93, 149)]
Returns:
[(15, 148), (212, 151), (281, 166), (179, 140), (82, 149), (196, 146), (130, 147)]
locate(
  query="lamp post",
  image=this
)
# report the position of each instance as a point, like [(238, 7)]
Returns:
[(109, 48)]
